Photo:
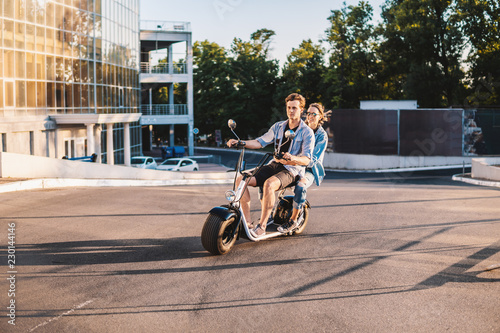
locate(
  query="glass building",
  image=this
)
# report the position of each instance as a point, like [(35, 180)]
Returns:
[(69, 78)]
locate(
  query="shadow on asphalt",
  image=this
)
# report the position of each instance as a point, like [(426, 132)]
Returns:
[(94, 252)]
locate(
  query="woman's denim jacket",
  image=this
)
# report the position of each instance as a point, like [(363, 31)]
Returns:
[(316, 164)]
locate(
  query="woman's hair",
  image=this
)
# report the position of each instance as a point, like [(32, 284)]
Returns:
[(323, 115)]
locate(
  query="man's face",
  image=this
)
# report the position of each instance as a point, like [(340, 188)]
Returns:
[(293, 110)]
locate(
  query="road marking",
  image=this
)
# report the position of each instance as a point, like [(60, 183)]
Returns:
[(61, 315)]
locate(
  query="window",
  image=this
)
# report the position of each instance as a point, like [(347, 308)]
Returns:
[(9, 93), (120, 97), (69, 148)]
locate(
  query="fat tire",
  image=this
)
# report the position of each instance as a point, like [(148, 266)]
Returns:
[(212, 234), (284, 212)]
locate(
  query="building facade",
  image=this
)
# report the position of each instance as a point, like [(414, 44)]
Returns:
[(166, 83), (69, 78)]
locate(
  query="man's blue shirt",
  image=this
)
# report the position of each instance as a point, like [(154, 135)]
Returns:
[(302, 144)]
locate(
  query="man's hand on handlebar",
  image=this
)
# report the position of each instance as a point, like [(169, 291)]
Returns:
[(284, 158), (233, 143)]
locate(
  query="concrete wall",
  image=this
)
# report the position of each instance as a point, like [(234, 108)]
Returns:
[(482, 168), (40, 134), (375, 162), (27, 166)]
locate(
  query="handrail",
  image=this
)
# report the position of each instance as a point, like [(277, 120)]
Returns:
[(155, 25), (164, 109), (163, 68)]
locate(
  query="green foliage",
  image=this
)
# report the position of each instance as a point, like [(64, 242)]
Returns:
[(303, 73), (480, 22), (212, 85), (421, 51), (254, 79), (438, 52), (353, 61)]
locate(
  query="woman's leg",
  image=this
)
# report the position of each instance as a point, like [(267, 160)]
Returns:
[(299, 200)]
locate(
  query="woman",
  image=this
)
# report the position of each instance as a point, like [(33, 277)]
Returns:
[(316, 116)]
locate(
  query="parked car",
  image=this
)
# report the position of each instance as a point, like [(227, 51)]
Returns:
[(179, 164), (143, 162)]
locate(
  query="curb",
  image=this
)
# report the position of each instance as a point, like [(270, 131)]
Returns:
[(68, 182), (465, 177)]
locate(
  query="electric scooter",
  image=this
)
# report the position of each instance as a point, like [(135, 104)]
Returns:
[(226, 223)]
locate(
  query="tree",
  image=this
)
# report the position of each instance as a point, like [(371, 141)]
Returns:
[(212, 86), (353, 64), (303, 73), (480, 22), (254, 78), (421, 52)]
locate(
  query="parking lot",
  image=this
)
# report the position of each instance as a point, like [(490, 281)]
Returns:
[(381, 253)]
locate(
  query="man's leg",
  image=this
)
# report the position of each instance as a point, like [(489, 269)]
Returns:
[(270, 187), (245, 199)]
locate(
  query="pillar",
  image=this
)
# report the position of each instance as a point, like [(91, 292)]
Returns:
[(109, 144), (57, 147), (98, 130), (126, 143), (170, 59), (171, 106), (151, 137), (90, 139), (150, 101), (172, 135), (190, 99)]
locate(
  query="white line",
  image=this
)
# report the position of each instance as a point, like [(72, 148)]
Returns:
[(61, 315)]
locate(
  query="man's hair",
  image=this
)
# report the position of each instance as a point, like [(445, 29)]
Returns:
[(296, 97)]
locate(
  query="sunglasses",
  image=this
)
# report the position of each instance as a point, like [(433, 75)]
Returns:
[(312, 114)]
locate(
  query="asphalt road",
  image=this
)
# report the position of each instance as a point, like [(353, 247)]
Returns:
[(381, 253)]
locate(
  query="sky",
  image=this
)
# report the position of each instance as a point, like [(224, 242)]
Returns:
[(220, 21)]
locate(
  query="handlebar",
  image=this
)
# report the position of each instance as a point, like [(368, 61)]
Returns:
[(279, 156), (238, 144)]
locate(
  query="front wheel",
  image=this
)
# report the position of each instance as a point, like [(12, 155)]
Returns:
[(218, 235)]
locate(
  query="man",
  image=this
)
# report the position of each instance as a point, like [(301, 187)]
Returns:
[(279, 173)]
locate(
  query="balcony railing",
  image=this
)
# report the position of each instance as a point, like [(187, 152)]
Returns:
[(164, 109), (165, 25), (163, 68)]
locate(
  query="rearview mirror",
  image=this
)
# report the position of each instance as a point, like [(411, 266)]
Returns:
[(290, 134), (231, 123)]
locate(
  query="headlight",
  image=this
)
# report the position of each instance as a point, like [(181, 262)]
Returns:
[(230, 195)]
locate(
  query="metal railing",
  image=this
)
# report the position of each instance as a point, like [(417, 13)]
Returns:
[(154, 25), (163, 68), (164, 109)]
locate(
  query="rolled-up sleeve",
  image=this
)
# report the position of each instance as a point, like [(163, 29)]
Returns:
[(269, 136)]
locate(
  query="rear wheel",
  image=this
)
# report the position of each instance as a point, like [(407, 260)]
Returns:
[(218, 235), (284, 212)]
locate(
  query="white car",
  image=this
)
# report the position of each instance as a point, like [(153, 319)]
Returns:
[(143, 162), (179, 164)]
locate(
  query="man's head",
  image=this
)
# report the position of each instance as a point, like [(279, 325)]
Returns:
[(295, 104)]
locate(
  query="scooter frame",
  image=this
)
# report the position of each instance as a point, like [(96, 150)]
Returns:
[(234, 207), (219, 234)]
